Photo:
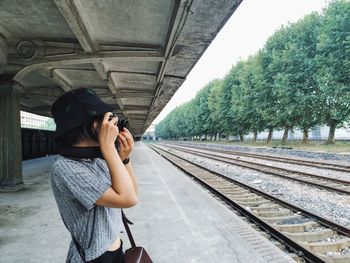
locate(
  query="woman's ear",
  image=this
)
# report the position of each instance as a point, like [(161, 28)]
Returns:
[(96, 125), (95, 129)]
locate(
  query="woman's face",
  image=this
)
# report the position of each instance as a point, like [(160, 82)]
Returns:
[(96, 127), (97, 124)]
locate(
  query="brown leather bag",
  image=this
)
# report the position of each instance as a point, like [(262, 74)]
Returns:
[(137, 254), (134, 254)]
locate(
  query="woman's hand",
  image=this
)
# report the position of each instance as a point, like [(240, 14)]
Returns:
[(108, 133), (126, 143)]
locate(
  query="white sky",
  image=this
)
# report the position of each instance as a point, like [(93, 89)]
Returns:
[(244, 34)]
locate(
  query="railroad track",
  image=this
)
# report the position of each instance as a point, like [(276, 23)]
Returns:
[(310, 163), (327, 183), (311, 237)]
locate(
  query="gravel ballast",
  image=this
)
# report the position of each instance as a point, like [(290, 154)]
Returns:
[(295, 167), (343, 158), (333, 206)]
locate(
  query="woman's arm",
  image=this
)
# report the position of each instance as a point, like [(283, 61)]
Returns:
[(126, 143), (122, 193), (132, 176)]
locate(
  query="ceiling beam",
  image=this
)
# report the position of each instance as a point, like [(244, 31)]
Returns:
[(61, 80), (30, 110), (3, 53), (174, 27), (41, 108), (71, 14), (135, 108), (132, 72), (45, 91), (137, 117), (67, 60), (134, 94), (101, 71), (48, 109), (30, 50), (128, 95), (113, 88), (41, 98), (58, 91), (129, 46), (176, 24), (138, 114)]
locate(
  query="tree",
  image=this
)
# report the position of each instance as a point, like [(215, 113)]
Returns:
[(268, 97), (300, 79), (285, 95), (214, 107), (333, 58), (296, 82), (224, 104), (204, 121), (251, 99), (188, 119), (302, 53)]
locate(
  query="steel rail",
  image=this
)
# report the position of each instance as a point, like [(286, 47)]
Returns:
[(342, 229), (256, 167), (302, 251), (310, 163)]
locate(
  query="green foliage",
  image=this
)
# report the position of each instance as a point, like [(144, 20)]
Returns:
[(333, 58), (214, 107), (293, 66), (300, 79), (249, 99), (267, 100), (238, 112)]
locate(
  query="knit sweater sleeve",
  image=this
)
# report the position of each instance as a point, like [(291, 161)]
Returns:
[(83, 182)]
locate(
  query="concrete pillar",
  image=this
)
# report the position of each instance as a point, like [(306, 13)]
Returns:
[(10, 137), (3, 54)]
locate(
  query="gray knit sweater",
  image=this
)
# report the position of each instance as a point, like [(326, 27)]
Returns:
[(77, 184)]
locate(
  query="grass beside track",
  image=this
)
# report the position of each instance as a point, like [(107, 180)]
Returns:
[(338, 147)]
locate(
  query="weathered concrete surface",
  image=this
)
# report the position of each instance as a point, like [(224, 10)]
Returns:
[(10, 138), (135, 54), (30, 226), (175, 220), (176, 215), (3, 54)]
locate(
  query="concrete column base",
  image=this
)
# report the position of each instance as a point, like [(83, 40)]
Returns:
[(11, 188), (10, 140)]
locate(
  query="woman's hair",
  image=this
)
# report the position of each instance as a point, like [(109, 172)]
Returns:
[(85, 131)]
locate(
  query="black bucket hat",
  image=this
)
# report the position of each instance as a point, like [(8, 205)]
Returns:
[(76, 107)]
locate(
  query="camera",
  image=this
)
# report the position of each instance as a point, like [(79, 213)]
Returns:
[(122, 123)]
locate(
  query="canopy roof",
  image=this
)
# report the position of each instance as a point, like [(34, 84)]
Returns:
[(135, 54)]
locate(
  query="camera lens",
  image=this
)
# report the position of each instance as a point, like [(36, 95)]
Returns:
[(123, 124)]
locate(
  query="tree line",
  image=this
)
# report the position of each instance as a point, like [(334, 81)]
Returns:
[(300, 79)]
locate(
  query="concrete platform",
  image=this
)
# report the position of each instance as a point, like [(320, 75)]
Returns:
[(175, 219)]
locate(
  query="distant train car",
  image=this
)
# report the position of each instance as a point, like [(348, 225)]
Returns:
[(37, 143)]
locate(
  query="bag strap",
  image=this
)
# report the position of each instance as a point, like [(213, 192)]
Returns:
[(76, 243), (79, 248), (126, 221)]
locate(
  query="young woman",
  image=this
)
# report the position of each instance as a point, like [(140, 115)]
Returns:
[(90, 179)]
